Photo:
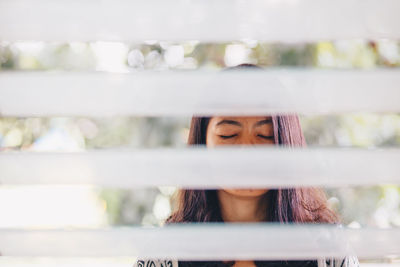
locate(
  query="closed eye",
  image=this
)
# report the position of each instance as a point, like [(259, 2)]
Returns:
[(227, 136), (266, 136)]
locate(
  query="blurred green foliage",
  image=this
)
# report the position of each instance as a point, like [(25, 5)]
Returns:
[(378, 205)]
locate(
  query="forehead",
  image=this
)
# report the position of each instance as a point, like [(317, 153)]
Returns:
[(244, 120)]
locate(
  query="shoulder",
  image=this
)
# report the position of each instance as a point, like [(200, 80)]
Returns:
[(155, 263), (348, 261)]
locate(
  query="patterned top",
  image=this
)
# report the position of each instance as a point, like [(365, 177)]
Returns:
[(349, 261)]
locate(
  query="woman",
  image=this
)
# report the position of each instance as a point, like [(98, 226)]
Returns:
[(297, 205)]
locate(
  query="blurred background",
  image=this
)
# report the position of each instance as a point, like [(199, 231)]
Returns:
[(93, 207)]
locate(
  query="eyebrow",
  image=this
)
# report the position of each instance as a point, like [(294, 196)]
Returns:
[(266, 121), (232, 122), (236, 123)]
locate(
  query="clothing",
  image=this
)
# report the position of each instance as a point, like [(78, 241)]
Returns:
[(349, 261), (155, 263)]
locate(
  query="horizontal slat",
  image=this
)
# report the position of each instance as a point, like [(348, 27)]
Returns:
[(97, 261), (202, 242), (202, 168), (207, 93), (208, 21)]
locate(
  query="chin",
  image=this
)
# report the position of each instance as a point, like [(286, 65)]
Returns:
[(246, 192)]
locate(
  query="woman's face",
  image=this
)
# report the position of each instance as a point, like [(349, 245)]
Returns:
[(240, 131)]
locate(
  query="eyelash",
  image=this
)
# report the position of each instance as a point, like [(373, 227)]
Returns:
[(227, 136), (233, 135), (265, 137)]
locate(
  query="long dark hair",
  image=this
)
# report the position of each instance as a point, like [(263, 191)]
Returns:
[(298, 205), (293, 205)]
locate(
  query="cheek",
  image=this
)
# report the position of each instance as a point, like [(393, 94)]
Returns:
[(267, 142)]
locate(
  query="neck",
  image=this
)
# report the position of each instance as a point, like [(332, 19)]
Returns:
[(240, 208)]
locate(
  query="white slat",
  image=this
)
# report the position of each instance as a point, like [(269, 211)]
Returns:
[(202, 242), (202, 168), (207, 93), (206, 20)]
